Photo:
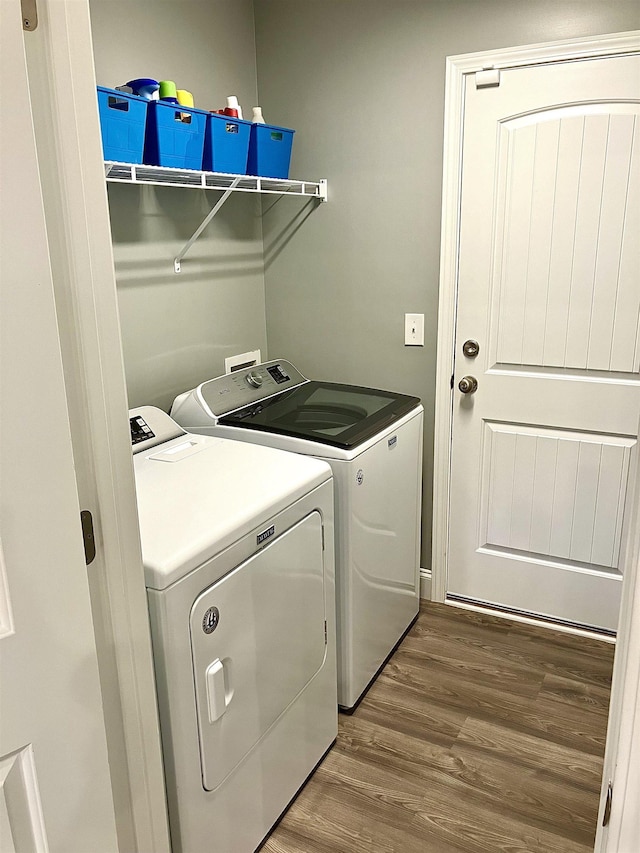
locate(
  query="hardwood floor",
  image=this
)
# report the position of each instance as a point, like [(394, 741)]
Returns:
[(481, 734)]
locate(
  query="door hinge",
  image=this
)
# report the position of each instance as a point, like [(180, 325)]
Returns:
[(86, 520), (607, 805), (29, 15), (452, 381), (322, 529), (325, 632), (487, 77)]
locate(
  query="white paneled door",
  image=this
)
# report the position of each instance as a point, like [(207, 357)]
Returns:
[(55, 791), (549, 288)]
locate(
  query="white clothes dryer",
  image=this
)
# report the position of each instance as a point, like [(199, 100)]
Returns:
[(373, 441), (237, 545)]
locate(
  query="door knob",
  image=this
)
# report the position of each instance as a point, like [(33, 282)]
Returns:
[(468, 384), (471, 348)]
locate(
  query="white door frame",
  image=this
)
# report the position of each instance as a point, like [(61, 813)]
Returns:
[(457, 68), (55, 790), (63, 96), (622, 754)]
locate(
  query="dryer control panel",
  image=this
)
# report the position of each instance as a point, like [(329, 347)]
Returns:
[(140, 430), (241, 388), (151, 426)]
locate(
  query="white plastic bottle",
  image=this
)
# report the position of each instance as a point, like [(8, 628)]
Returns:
[(257, 115), (232, 103)]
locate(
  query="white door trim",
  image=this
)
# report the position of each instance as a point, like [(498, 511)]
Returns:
[(457, 68), (622, 753), (63, 95)]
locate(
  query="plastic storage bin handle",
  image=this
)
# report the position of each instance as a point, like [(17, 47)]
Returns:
[(117, 103), (185, 118)]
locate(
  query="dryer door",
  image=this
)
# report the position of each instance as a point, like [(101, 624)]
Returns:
[(257, 640)]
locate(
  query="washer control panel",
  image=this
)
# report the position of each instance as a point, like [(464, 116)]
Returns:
[(249, 385)]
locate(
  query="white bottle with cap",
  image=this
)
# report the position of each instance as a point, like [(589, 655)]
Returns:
[(232, 103), (257, 115)]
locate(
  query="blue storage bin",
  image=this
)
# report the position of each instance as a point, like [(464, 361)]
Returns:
[(175, 136), (122, 125), (226, 144), (270, 151)]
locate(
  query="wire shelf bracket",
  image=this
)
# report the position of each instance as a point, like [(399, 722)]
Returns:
[(203, 225)]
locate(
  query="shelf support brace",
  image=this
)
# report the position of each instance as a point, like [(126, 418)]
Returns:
[(205, 222)]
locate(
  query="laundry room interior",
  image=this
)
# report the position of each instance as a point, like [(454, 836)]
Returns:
[(482, 724), (325, 286)]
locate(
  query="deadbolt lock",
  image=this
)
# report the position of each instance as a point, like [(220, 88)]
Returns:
[(471, 348), (468, 384)]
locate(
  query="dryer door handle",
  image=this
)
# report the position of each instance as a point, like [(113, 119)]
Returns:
[(216, 693)]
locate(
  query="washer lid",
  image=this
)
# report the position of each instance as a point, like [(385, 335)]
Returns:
[(197, 495), (327, 412)]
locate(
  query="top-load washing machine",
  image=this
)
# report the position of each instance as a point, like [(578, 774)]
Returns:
[(373, 441), (237, 545)]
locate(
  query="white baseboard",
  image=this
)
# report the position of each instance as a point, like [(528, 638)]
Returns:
[(425, 584)]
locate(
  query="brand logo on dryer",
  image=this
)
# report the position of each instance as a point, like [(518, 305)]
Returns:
[(210, 620), (266, 534)]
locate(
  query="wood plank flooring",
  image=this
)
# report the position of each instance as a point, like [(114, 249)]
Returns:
[(480, 735)]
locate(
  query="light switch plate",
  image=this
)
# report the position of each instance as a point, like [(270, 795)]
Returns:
[(414, 330)]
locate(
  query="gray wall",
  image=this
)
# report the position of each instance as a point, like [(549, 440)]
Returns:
[(362, 82), (177, 329)]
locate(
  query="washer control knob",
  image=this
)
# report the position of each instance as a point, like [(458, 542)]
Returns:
[(254, 379), (468, 384)]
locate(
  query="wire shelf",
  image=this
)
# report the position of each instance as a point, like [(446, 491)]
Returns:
[(131, 173)]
